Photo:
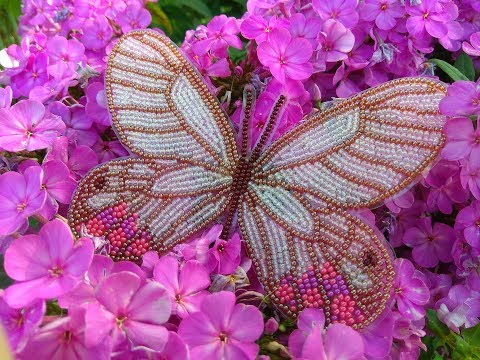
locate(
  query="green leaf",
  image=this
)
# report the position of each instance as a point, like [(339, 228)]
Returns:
[(450, 70), (472, 335), (465, 65), (159, 18), (237, 55), (197, 5), (436, 326)]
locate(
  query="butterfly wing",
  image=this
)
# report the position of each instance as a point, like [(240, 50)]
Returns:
[(309, 249), (184, 151)]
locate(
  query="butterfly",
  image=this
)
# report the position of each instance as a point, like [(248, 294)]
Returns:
[(295, 200)]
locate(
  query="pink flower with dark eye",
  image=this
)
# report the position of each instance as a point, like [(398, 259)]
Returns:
[(34, 74), (64, 339), (473, 46), (20, 324), (258, 28), (463, 99), (430, 244), (343, 11), (468, 222), (186, 287), (222, 330), (26, 127), (411, 291), (226, 254), (46, 265), (384, 12), (127, 308), (108, 150), (430, 16), (310, 341), (96, 33), (65, 55), (335, 41), (221, 33), (20, 197), (286, 58), (463, 141), (135, 16)]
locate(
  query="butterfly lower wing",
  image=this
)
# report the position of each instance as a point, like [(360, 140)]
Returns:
[(139, 204), (161, 108), (363, 150), (308, 249), (344, 268)]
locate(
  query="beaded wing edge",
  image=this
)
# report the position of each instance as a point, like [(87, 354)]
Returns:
[(293, 201)]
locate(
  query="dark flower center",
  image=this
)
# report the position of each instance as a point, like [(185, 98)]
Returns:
[(223, 337)]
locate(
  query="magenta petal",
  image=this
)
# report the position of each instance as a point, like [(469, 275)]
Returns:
[(197, 330), (295, 342), (309, 318), (27, 258), (150, 304), (246, 323), (116, 291), (313, 347), (148, 335), (193, 277), (166, 273), (98, 324), (175, 348), (218, 307), (342, 342), (59, 240), (80, 258)]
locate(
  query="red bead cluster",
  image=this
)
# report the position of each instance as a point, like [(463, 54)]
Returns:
[(121, 230), (319, 288)]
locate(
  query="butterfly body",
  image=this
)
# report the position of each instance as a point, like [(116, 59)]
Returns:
[(294, 201)]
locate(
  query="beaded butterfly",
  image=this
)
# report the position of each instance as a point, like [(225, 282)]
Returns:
[(292, 200)]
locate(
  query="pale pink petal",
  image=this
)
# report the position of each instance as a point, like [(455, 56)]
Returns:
[(98, 324), (27, 258), (117, 290), (166, 273), (148, 335), (193, 277), (246, 323), (342, 342), (59, 240), (150, 304)]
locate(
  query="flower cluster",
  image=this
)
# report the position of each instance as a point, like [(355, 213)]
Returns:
[(202, 300)]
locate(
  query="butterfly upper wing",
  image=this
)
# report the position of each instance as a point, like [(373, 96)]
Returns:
[(308, 247), (161, 107), (185, 152)]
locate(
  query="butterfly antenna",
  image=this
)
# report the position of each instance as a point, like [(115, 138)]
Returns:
[(248, 105), (270, 127)]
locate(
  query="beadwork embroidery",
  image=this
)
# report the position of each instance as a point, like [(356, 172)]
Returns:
[(292, 201)]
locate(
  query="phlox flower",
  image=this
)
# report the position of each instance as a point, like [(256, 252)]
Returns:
[(128, 310), (460, 308), (259, 29), (343, 11), (221, 33), (470, 178), (6, 95), (408, 336), (33, 74), (20, 324), (430, 243), (310, 341), (286, 57), (463, 141), (46, 265), (219, 68), (64, 339), (468, 222), (108, 150), (96, 106), (26, 127), (378, 336), (430, 16), (96, 33), (411, 291), (21, 196), (384, 12), (305, 28), (175, 349), (473, 46), (335, 41), (463, 99), (135, 16), (65, 55), (186, 287), (221, 329)]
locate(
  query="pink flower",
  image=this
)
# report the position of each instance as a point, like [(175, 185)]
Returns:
[(96, 33), (175, 348), (408, 336), (20, 197), (25, 127), (468, 222), (305, 28), (108, 150), (65, 339), (411, 291), (222, 329), (46, 265), (463, 141), (135, 16), (258, 28), (473, 47), (470, 178), (125, 309), (309, 341), (343, 11), (384, 12), (430, 244), (6, 97), (20, 324), (97, 107), (460, 308), (221, 33), (286, 58), (335, 41), (34, 74), (186, 287), (431, 16), (463, 99), (226, 254), (65, 55)]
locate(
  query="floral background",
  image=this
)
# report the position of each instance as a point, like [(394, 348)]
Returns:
[(65, 299)]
